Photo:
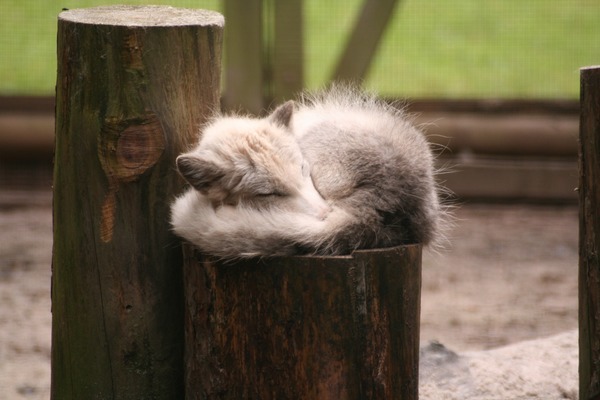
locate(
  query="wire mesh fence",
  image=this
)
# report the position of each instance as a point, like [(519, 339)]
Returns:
[(434, 48)]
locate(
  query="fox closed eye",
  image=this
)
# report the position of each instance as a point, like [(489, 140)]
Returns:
[(305, 169), (269, 194)]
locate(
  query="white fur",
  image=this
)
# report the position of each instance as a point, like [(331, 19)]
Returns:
[(238, 231)]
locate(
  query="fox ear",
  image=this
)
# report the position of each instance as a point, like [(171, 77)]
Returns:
[(199, 172), (283, 114)]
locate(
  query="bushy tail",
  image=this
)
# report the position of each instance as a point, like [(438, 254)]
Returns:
[(237, 232)]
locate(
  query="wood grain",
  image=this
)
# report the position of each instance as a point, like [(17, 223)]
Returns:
[(589, 235), (133, 86), (304, 327)]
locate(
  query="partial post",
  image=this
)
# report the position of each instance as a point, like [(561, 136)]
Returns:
[(320, 328), (589, 235), (245, 54), (287, 50), (133, 86)]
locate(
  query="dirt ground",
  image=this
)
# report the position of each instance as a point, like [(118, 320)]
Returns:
[(510, 275)]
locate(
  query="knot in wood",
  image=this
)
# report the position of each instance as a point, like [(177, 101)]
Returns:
[(129, 147)]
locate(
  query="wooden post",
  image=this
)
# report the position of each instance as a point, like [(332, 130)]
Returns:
[(287, 58), (589, 235), (245, 55), (264, 53), (304, 327), (133, 85)]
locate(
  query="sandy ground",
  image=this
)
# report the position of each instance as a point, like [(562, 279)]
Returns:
[(25, 318), (510, 276)]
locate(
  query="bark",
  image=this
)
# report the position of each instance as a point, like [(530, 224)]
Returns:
[(589, 235), (133, 86), (304, 327)]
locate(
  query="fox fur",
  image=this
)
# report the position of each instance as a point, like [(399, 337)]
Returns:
[(333, 172)]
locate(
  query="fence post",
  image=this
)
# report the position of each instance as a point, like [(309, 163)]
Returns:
[(264, 53), (245, 55), (325, 328), (133, 85), (589, 235), (287, 58)]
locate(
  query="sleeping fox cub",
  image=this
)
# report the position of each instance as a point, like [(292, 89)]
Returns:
[(335, 172)]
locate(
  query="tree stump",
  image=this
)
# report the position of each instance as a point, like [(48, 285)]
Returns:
[(322, 328), (133, 86), (589, 235)]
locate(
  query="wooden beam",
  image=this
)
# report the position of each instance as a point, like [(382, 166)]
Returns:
[(26, 137), (510, 179), (287, 61), (532, 135), (364, 40), (244, 56)]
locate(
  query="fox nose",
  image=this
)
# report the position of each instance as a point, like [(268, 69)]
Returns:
[(322, 210)]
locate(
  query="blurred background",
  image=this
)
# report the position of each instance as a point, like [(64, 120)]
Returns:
[(494, 84), (493, 81), (426, 49)]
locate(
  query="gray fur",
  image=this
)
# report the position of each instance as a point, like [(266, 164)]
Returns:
[(337, 171)]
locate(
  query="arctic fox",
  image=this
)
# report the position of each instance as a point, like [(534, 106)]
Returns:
[(334, 172)]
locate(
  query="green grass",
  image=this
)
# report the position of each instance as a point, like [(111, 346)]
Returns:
[(434, 48), (28, 39), (469, 48)]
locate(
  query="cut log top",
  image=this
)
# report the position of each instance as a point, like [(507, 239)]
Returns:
[(138, 16)]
